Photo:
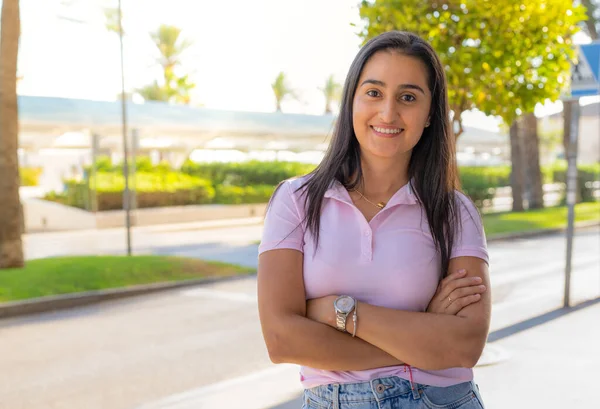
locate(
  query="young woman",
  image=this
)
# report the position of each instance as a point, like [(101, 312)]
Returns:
[(373, 269)]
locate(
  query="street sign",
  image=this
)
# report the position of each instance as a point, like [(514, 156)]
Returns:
[(585, 82), (585, 75)]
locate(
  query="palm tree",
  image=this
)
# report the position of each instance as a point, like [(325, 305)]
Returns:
[(332, 92), (153, 92), (111, 19), (11, 216), (281, 89), (171, 47)]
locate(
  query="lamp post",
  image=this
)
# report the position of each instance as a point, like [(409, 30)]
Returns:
[(126, 194)]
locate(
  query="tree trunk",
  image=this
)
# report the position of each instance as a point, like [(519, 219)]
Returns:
[(517, 174), (11, 216), (533, 173), (590, 22)]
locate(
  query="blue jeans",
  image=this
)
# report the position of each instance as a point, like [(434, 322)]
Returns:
[(392, 393)]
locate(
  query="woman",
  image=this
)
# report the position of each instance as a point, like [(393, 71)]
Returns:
[(353, 258)]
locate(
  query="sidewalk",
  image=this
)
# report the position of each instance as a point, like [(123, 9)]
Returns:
[(552, 365)]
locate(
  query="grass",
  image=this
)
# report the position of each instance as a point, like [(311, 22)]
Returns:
[(63, 275), (549, 218)]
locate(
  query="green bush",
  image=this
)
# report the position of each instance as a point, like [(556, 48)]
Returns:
[(142, 164), (30, 176), (104, 164), (586, 175), (480, 183), (243, 195), (247, 173), (114, 200), (152, 190), (149, 182), (56, 197), (255, 181)]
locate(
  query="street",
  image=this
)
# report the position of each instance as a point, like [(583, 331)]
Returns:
[(182, 348)]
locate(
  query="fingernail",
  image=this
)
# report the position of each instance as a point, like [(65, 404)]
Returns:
[(482, 287), (462, 271), (477, 279)]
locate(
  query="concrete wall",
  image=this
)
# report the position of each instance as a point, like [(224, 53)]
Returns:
[(41, 215), (178, 214)]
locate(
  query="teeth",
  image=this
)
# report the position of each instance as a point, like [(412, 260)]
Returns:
[(388, 131)]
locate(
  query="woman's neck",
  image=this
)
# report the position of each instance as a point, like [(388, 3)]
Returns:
[(381, 179)]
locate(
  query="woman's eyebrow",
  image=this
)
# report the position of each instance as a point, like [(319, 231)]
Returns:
[(401, 86)]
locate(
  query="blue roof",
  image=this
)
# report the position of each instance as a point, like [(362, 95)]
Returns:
[(86, 113)]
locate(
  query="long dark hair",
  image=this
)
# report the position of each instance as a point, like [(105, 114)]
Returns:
[(432, 169)]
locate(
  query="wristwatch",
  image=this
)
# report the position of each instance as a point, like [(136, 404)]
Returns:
[(343, 306)]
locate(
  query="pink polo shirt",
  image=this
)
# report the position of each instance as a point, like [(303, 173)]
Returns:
[(390, 261)]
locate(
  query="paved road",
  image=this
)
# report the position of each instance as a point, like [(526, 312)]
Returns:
[(183, 348)]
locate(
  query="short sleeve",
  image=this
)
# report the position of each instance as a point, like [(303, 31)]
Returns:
[(283, 227), (470, 239)]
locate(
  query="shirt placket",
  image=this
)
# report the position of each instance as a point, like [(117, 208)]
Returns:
[(367, 243)]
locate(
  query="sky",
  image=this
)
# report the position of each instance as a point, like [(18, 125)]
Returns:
[(239, 47)]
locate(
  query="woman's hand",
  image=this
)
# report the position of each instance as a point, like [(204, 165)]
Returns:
[(322, 310), (455, 292)]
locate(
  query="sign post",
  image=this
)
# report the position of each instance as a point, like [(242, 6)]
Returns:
[(585, 81)]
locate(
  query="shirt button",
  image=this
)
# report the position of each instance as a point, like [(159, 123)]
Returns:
[(367, 233)]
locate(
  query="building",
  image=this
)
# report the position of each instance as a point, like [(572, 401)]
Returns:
[(62, 134)]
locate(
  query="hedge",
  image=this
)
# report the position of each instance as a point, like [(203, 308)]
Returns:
[(247, 173), (480, 183), (586, 175), (254, 182), (152, 190), (243, 195)]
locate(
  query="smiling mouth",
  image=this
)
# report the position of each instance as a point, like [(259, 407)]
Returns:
[(387, 131)]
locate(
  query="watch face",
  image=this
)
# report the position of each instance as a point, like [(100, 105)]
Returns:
[(345, 304)]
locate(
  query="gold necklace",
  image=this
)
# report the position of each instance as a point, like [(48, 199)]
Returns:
[(380, 205)]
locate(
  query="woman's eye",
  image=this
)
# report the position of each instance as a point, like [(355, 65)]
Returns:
[(372, 93), (408, 98)]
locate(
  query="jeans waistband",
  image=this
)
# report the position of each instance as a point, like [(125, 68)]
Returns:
[(374, 390)]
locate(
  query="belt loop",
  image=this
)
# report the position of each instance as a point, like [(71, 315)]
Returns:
[(336, 396)]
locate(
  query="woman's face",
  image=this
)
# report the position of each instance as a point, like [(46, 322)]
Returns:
[(391, 105)]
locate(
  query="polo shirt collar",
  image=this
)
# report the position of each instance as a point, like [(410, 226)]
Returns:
[(404, 195)]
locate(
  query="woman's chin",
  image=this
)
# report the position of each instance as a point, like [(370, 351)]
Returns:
[(386, 153)]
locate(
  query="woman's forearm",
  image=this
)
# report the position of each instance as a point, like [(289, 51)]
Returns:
[(424, 340), (301, 341)]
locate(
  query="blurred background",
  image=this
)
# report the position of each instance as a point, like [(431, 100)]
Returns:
[(145, 171)]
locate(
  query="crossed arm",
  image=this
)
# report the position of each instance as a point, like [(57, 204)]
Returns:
[(295, 334)]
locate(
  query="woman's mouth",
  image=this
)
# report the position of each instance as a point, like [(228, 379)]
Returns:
[(386, 132)]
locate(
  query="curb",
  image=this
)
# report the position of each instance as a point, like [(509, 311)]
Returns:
[(541, 232), (60, 302), (67, 301)]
